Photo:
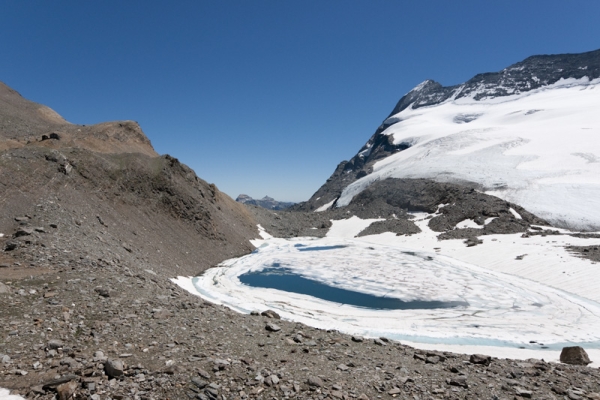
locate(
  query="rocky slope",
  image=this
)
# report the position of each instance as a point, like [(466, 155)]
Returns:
[(531, 75), (108, 178)]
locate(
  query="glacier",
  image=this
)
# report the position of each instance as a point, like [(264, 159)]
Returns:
[(539, 149)]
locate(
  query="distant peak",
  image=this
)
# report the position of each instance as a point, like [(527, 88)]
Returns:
[(266, 202)]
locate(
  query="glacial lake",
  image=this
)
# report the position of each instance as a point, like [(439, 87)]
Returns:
[(286, 280)]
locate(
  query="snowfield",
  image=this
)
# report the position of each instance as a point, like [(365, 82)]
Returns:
[(527, 297), (539, 149)]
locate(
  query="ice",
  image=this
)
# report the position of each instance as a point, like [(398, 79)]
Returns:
[(546, 295), (537, 149)]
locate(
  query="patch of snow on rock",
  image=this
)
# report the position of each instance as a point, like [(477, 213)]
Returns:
[(325, 207), (514, 213), (468, 223)]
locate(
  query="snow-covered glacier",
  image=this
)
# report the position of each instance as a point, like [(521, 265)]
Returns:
[(539, 149)]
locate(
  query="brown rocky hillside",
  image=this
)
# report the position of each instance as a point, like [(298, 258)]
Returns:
[(105, 183)]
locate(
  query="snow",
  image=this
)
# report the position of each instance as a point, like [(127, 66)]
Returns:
[(518, 289), (348, 228), (538, 149), (5, 395), (514, 213), (325, 207), (468, 223), (263, 233)]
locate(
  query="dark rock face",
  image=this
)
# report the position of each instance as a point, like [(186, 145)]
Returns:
[(392, 201), (529, 74), (266, 202), (460, 202)]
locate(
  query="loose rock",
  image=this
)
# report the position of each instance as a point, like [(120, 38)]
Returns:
[(270, 314), (54, 344), (574, 355), (65, 391), (315, 381), (480, 359), (114, 368), (272, 327)]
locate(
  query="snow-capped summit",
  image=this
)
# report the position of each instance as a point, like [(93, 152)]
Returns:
[(529, 134), (529, 74)]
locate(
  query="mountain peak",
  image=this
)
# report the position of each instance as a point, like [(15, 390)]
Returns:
[(516, 117), (266, 202)]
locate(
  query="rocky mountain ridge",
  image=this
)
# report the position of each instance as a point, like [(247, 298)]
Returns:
[(266, 202), (530, 74), (24, 123)]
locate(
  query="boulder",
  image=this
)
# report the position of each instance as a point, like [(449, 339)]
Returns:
[(480, 359), (574, 355), (272, 327), (114, 368)]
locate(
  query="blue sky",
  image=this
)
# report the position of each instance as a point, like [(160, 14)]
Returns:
[(267, 97)]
